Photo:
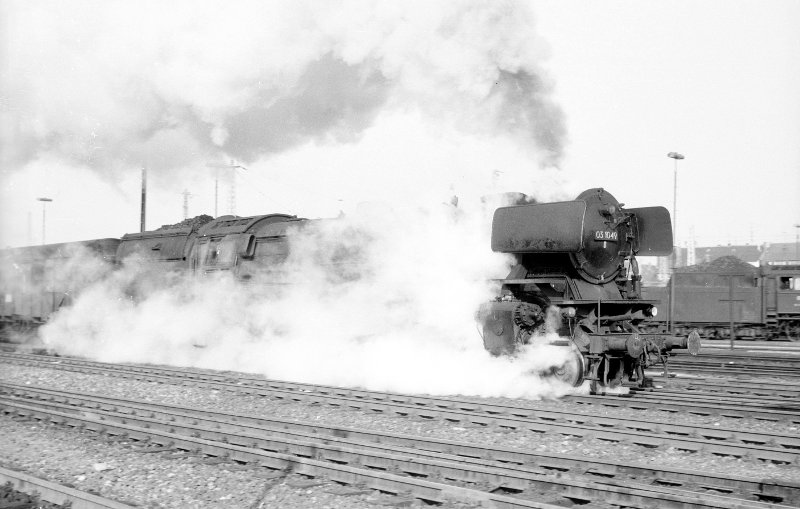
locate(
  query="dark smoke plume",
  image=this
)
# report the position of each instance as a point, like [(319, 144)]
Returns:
[(110, 85)]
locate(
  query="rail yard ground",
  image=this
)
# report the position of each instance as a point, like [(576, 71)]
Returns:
[(680, 445)]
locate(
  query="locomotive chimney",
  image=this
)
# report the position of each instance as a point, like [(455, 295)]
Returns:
[(144, 198)]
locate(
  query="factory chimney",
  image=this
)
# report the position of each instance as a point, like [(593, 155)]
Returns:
[(144, 198)]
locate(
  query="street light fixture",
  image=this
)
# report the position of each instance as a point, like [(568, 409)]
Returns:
[(677, 157), (44, 202)]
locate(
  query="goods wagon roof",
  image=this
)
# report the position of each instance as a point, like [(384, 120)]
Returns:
[(159, 244), (228, 225), (103, 247)]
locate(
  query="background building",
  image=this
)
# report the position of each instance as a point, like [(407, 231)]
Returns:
[(779, 253)]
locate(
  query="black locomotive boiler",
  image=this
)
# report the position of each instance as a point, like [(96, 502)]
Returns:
[(576, 275)]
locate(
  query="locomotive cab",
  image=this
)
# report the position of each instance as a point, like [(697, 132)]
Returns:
[(576, 265)]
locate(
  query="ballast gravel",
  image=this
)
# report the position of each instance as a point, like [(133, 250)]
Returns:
[(123, 471)]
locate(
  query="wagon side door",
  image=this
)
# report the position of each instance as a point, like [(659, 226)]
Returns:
[(770, 296)]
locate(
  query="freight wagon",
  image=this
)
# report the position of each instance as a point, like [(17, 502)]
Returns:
[(762, 302), (36, 281)]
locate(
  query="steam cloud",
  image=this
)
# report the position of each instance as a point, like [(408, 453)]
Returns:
[(114, 84), (352, 306), (407, 103)]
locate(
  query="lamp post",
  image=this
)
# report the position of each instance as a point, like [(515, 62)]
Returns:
[(676, 156), (44, 217), (797, 243)]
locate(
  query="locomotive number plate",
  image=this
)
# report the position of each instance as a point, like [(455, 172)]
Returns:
[(605, 235)]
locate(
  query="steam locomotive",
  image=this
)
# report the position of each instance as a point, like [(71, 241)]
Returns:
[(576, 273), (576, 259)]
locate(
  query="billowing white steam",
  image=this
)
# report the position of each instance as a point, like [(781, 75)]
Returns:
[(407, 103), (115, 84), (385, 300)]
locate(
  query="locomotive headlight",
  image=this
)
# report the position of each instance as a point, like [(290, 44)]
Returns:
[(651, 311), (568, 312)]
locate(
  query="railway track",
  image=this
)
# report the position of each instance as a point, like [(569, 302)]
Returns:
[(777, 358), (696, 404), (758, 388), (20, 490), (511, 478), (785, 410), (739, 366), (746, 346), (648, 433)]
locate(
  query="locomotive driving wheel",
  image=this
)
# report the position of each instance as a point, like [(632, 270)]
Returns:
[(571, 370)]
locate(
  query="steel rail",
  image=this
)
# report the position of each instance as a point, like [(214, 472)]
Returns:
[(767, 490), (641, 401), (57, 493), (776, 359), (742, 344), (725, 442), (757, 389), (376, 478), (515, 418), (522, 481), (732, 371), (741, 367), (556, 419), (645, 402), (738, 399)]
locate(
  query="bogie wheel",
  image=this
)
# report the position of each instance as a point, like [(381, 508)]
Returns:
[(610, 372), (794, 332), (790, 331)]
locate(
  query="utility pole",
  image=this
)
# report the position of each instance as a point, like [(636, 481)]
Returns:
[(797, 243), (232, 190), (186, 194), (232, 196), (44, 201), (676, 156), (144, 199)]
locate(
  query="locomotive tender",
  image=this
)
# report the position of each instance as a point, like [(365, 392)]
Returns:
[(577, 260)]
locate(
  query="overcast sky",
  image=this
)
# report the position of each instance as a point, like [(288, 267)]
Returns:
[(716, 81), (328, 105)]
